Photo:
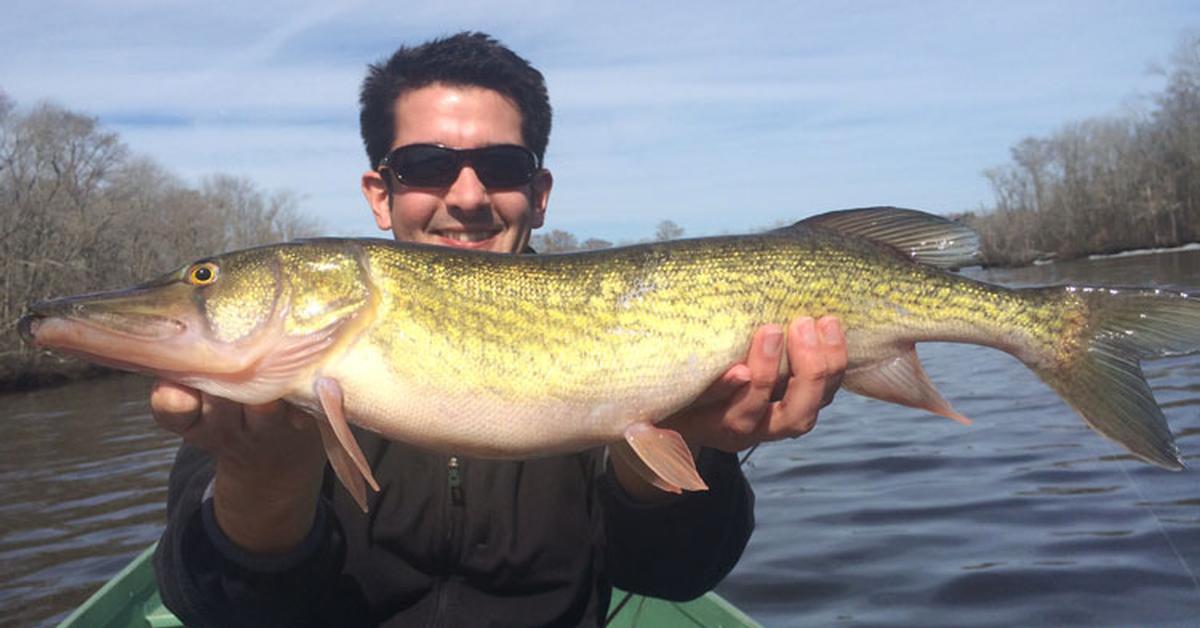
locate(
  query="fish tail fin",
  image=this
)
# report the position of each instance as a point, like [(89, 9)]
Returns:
[(1096, 367)]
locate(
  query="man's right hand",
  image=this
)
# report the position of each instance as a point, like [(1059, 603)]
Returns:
[(269, 463)]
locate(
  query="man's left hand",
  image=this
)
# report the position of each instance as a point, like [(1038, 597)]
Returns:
[(754, 403)]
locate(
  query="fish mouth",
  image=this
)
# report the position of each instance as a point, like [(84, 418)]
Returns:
[(104, 313), (140, 329), (112, 339), (42, 330)]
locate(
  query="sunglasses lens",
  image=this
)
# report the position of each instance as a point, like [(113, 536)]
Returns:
[(504, 166), (425, 166)]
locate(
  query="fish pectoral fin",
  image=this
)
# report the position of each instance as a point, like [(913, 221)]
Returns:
[(342, 465), (901, 380), (343, 451), (661, 457), (291, 355)]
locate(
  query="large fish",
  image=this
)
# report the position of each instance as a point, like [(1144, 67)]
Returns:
[(512, 356)]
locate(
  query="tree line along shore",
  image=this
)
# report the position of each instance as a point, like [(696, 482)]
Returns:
[(80, 212), (1103, 185)]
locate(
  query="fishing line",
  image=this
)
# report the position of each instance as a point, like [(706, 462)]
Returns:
[(746, 456), (1161, 528)]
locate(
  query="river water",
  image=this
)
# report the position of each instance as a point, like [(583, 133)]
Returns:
[(882, 516)]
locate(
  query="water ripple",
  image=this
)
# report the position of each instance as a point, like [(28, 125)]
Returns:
[(83, 469)]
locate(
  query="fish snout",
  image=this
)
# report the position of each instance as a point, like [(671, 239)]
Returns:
[(27, 327), (126, 313), (37, 314)]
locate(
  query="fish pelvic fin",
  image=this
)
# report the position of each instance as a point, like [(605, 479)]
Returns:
[(920, 236), (345, 456), (660, 457), (901, 380), (1097, 370)]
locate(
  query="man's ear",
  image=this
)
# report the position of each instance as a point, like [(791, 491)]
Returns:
[(375, 190), (540, 193)]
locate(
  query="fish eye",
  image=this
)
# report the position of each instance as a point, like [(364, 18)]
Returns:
[(202, 274)]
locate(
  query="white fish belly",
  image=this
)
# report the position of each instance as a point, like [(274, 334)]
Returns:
[(473, 422)]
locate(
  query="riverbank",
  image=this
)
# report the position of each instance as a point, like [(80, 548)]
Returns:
[(24, 372), (1193, 246), (1043, 261)]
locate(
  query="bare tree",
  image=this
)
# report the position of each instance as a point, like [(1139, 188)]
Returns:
[(555, 241), (1104, 184), (668, 230), (592, 244)]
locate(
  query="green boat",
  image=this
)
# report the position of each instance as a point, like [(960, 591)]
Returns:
[(130, 600)]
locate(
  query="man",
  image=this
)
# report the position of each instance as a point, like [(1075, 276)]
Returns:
[(258, 534)]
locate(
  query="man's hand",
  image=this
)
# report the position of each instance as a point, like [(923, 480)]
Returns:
[(269, 458), (751, 403)]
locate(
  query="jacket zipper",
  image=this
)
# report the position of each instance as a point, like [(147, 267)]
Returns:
[(454, 479), (452, 522)]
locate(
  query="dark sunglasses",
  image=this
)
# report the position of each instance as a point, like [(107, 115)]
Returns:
[(433, 166)]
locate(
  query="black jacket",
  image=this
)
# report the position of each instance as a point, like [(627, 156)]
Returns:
[(451, 541)]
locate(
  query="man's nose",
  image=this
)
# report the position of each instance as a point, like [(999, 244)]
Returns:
[(467, 192)]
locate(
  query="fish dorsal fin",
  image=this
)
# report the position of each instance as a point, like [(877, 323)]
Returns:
[(923, 237)]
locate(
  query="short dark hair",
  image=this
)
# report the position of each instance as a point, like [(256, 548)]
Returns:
[(466, 59)]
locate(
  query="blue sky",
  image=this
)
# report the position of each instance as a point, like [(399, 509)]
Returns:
[(723, 117)]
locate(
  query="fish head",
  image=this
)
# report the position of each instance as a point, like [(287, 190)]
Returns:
[(241, 325)]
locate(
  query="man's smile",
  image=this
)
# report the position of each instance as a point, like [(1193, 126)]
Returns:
[(466, 238)]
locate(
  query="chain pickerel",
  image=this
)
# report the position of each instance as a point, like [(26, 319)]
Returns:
[(516, 356)]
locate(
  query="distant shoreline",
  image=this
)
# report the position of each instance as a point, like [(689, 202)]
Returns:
[(15, 380), (1193, 246)]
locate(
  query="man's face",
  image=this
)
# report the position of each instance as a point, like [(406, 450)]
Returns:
[(465, 213)]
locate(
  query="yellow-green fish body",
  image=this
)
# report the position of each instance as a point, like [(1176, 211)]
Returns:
[(518, 356)]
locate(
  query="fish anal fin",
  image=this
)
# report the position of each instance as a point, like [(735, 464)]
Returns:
[(661, 457), (344, 453), (902, 380)]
